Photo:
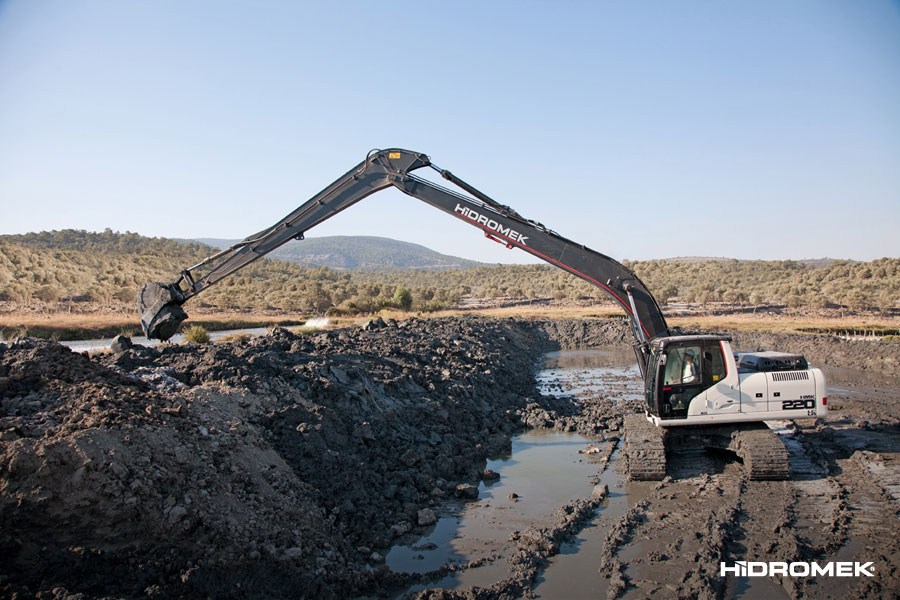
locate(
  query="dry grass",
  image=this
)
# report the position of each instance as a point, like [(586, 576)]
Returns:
[(75, 320), (196, 334), (784, 323), (234, 337), (536, 312)]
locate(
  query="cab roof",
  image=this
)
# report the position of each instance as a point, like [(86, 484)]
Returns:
[(662, 342)]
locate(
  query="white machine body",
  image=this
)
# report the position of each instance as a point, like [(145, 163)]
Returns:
[(714, 385)]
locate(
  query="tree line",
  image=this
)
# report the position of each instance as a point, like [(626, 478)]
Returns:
[(65, 268)]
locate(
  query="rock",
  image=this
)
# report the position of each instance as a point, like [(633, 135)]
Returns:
[(9, 435), (376, 558), (464, 490), (426, 516), (377, 323), (600, 491), (489, 475), (119, 471), (294, 552), (401, 528), (425, 546), (409, 458), (21, 464), (177, 513), (120, 343), (340, 375)]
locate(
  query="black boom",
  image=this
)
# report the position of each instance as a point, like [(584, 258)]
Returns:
[(160, 304)]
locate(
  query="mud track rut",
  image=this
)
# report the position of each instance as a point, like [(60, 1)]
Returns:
[(282, 466)]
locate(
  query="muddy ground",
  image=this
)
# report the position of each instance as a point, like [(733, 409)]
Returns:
[(286, 466)]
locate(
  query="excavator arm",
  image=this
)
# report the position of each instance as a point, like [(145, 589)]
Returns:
[(160, 304)]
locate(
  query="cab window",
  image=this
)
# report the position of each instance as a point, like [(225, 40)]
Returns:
[(650, 384), (682, 379), (714, 363), (682, 365)]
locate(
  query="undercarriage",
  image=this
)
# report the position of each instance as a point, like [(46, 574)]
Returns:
[(758, 447)]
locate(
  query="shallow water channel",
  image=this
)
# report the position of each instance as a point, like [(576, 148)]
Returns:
[(544, 471), (101, 344)]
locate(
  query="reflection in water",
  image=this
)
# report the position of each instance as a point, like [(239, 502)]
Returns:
[(588, 359), (585, 373), (103, 344), (543, 471)]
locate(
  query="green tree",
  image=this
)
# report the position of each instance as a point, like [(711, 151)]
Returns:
[(402, 298)]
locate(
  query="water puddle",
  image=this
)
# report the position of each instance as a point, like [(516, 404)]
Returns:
[(98, 345), (103, 344), (573, 573), (856, 383), (543, 471), (582, 373)]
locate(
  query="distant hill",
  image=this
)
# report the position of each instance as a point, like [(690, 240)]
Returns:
[(71, 267), (357, 252)]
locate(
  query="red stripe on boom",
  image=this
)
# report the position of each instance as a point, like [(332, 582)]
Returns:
[(552, 260)]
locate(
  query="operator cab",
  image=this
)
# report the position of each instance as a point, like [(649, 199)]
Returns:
[(680, 368)]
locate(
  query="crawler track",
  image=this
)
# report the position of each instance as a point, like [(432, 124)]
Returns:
[(758, 447), (644, 449), (763, 453)]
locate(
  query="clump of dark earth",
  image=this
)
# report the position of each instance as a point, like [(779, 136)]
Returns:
[(259, 467), (286, 465)]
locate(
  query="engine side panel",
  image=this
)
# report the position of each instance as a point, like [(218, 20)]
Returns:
[(754, 392), (801, 395), (792, 391)]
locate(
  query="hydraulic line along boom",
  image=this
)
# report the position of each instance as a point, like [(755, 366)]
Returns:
[(160, 304)]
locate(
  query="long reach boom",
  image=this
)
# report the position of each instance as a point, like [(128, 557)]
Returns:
[(160, 304)]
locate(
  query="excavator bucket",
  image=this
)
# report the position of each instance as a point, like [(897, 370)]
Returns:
[(160, 307)]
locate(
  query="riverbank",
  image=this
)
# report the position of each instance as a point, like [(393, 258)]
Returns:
[(66, 326)]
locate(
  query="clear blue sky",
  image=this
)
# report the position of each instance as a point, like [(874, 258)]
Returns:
[(757, 129)]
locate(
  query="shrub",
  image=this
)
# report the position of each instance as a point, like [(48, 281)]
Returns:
[(47, 293), (402, 298), (432, 306), (196, 334)]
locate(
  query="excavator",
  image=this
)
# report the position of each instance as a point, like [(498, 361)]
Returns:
[(697, 390)]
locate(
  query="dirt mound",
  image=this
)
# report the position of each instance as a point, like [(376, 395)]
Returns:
[(267, 467), (567, 334), (285, 465), (110, 487)]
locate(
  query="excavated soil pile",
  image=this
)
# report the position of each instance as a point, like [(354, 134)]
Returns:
[(270, 467), (285, 465)]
